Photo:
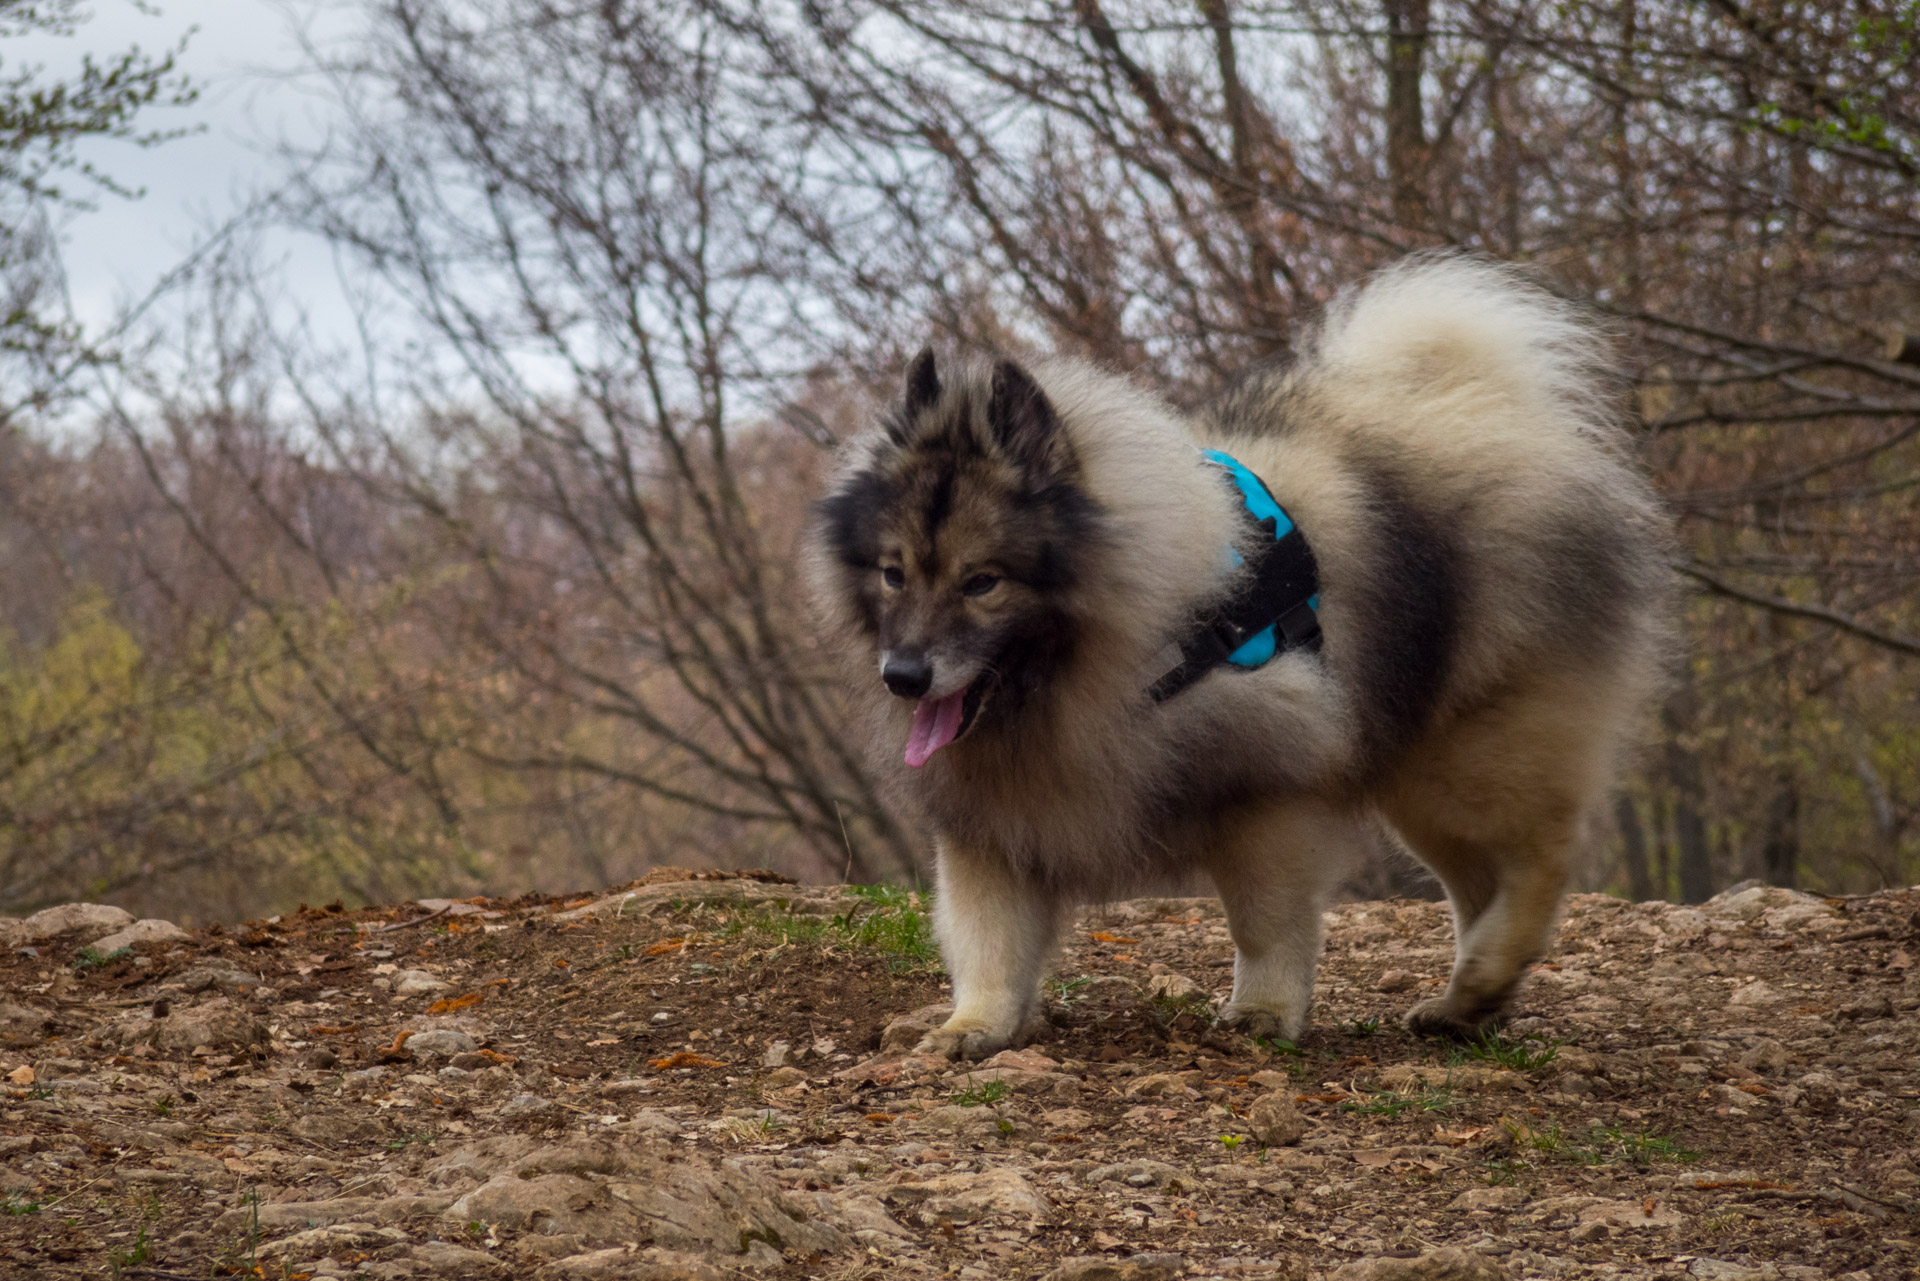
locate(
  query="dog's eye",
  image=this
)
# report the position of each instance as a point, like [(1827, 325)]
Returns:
[(892, 576), (980, 584)]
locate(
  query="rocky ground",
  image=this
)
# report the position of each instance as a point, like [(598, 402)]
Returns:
[(707, 1078)]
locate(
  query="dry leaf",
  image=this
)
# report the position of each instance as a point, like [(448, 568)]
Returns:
[(454, 1003), (685, 1058), (1101, 936)]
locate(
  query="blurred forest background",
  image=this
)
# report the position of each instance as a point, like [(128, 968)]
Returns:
[(501, 596)]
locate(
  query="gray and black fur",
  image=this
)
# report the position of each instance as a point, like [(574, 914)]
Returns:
[(1493, 604)]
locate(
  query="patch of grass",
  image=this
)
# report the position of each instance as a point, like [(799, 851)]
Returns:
[(884, 918), (1503, 1173), (1066, 992), (754, 1129), (1278, 1045), (1601, 1145), (139, 1252), (1232, 1141), (976, 1095), (13, 1205), (1168, 1008), (1391, 1104), (1527, 1053), (88, 958), (406, 1140), (1361, 1027)]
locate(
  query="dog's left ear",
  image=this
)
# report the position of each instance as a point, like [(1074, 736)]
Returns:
[(1025, 425)]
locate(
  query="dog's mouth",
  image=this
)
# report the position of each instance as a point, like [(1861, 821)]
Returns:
[(938, 722)]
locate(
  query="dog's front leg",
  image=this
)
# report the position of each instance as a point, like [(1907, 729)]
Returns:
[(996, 927), (1277, 867)]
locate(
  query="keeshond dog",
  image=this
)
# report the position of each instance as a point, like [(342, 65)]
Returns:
[(1021, 563)]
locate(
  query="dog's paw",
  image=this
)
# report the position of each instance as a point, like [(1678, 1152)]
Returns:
[(1254, 1021), (963, 1041), (1439, 1016)]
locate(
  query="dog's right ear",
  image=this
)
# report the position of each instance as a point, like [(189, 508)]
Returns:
[(923, 383), (1024, 423)]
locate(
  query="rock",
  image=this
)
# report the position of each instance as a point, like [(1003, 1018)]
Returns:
[(1489, 1199), (1139, 1174), (219, 1024), (1758, 992), (1398, 981), (800, 900), (456, 1260), (1176, 989), (417, 983), (1163, 1085), (1458, 1076), (316, 1243), (1139, 1267), (441, 1043), (1872, 1007), (625, 1263), (1274, 1120), (454, 907), (526, 1105), (1439, 1265), (227, 979), (780, 1078), (67, 917), (615, 1188), (23, 1020), (904, 1032), (1766, 1056), (777, 1054), (966, 1198), (1630, 1214), (1022, 1061), (151, 930)]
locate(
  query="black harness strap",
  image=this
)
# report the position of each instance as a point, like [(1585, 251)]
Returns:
[(1276, 594)]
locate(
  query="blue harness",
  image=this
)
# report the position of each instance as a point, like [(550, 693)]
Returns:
[(1275, 607)]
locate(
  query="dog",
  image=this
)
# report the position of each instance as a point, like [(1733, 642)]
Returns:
[(1012, 557)]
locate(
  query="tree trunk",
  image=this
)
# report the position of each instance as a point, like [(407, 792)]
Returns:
[(1689, 795), (1633, 848), (1406, 114), (1780, 852)]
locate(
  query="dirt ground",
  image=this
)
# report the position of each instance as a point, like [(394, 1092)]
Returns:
[(704, 1078)]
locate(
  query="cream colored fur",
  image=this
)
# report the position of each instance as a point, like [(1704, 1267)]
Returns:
[(1490, 399)]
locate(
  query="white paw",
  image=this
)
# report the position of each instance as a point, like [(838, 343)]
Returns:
[(1259, 1021), (969, 1040)]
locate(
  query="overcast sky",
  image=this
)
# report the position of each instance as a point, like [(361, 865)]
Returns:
[(245, 56)]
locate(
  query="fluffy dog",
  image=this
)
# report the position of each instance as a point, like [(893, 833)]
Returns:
[(1006, 556)]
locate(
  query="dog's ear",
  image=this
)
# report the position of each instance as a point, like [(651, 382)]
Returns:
[(1024, 424), (923, 383)]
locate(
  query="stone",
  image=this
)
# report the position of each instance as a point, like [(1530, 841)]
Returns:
[(1758, 992), (151, 930), (1489, 1199), (1398, 981), (616, 1188), (969, 1197), (441, 1043), (904, 1032), (1139, 1174), (417, 983), (1175, 989), (1766, 1056), (52, 921), (781, 1078), (315, 1243), (1451, 1264), (526, 1105), (202, 977), (218, 1024), (23, 1020), (456, 1260), (777, 1055), (624, 1263), (1022, 1061), (1138, 1267), (1458, 1076), (1274, 1120), (1163, 1085)]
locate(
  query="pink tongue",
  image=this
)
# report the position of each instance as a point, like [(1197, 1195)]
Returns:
[(936, 721)]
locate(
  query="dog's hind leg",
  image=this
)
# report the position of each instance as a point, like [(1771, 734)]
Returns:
[(996, 927), (1276, 866), (1497, 808)]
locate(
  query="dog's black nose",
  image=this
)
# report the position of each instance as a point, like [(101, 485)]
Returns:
[(907, 675)]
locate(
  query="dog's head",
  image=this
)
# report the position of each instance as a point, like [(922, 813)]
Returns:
[(958, 542)]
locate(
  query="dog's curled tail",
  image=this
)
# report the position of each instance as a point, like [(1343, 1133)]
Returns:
[(1472, 336)]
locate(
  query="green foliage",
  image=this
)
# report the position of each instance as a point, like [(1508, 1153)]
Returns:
[(1388, 1103), (88, 958), (1361, 1027), (885, 919), (15, 1204), (1527, 1053), (977, 1095), (139, 1252), (1600, 1145)]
